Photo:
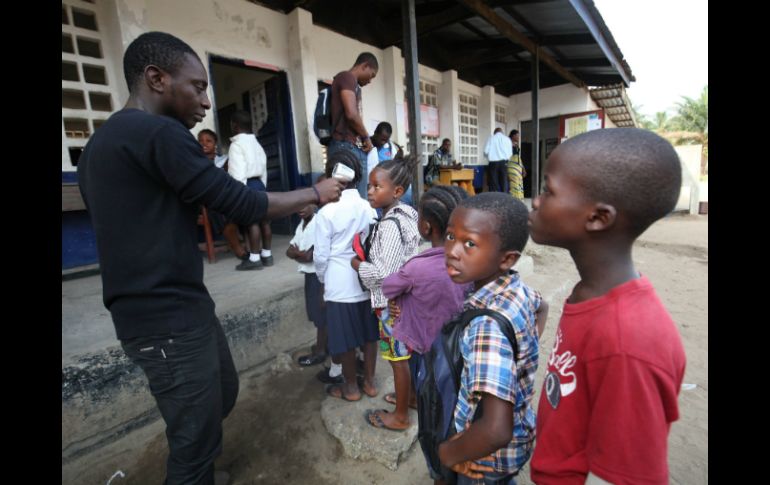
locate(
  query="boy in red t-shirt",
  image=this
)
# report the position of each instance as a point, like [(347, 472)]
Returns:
[(616, 368)]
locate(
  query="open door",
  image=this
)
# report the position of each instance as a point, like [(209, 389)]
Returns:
[(263, 91)]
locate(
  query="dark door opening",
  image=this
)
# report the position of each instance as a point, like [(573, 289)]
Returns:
[(265, 95), (549, 139)]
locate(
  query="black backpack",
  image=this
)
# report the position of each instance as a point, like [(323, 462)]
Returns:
[(438, 384), (322, 118)]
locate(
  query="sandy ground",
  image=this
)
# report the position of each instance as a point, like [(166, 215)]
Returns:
[(275, 434)]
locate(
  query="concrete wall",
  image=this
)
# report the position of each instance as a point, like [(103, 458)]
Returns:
[(689, 197), (94, 383)]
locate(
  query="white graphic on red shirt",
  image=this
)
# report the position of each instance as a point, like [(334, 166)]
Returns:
[(562, 363)]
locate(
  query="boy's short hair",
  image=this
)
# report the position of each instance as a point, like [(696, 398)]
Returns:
[(511, 213), (242, 120), (157, 48), (636, 171), (384, 126), (369, 59), (347, 158)]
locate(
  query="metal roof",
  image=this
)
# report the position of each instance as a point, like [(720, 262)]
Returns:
[(488, 42)]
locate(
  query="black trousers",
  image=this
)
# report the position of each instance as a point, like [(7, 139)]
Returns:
[(193, 379), (498, 176)]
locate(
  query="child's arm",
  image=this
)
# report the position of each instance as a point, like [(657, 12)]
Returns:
[(322, 245), (485, 436), (397, 284), (305, 256), (386, 260), (541, 315), (292, 251)]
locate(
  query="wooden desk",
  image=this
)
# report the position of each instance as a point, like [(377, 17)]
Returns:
[(463, 178)]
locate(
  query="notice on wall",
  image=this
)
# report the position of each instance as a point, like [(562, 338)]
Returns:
[(581, 124), (429, 123)]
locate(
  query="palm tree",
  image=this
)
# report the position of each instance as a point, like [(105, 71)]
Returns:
[(692, 123), (661, 122), (693, 114)]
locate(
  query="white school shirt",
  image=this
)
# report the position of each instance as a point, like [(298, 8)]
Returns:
[(304, 239), (247, 158), (335, 226)]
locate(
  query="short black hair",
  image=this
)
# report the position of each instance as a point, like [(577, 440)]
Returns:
[(498, 130), (242, 120), (347, 158), (367, 58), (384, 126), (438, 203), (636, 171), (511, 214), (513, 132), (446, 140), (400, 170), (211, 133), (156, 48)]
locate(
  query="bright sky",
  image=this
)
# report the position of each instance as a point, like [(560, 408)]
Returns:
[(666, 44)]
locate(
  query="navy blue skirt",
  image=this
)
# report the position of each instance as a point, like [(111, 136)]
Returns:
[(350, 325), (313, 299)]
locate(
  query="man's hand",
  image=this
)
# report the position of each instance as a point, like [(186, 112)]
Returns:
[(367, 145), (329, 190), (523, 172), (355, 263)]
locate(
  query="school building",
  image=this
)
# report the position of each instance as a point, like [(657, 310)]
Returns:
[(272, 57)]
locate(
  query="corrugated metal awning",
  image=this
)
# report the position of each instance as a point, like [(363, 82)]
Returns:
[(615, 103)]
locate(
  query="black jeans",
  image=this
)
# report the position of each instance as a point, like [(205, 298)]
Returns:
[(193, 379), (498, 176)]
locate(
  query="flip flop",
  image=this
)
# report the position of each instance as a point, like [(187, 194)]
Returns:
[(310, 359), (378, 423), (341, 395), (390, 398)]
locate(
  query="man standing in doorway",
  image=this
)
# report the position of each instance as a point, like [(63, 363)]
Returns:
[(349, 130), (498, 151)]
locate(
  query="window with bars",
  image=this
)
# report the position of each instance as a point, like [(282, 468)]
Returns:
[(428, 94), (88, 94), (500, 114), (469, 129)]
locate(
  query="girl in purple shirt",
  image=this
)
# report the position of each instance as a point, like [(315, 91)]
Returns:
[(423, 297)]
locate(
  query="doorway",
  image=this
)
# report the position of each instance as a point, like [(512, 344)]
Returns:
[(264, 93)]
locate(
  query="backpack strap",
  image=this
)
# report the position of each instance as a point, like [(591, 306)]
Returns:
[(465, 318)]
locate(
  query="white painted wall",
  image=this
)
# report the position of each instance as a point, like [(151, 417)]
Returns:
[(689, 197), (554, 101), (335, 53)]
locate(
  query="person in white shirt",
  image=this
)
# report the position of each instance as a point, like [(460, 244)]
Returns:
[(350, 320), (498, 151), (247, 163), (301, 250)]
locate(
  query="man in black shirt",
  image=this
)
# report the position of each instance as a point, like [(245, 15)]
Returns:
[(143, 177)]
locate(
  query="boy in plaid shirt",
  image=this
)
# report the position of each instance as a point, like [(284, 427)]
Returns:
[(485, 237)]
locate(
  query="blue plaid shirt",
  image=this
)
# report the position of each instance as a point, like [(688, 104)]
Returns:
[(490, 366)]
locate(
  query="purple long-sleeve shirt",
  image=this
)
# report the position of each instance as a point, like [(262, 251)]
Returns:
[(427, 296)]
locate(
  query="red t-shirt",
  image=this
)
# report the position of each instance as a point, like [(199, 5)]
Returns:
[(610, 392), (343, 81)]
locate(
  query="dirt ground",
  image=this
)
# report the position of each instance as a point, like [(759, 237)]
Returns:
[(275, 434)]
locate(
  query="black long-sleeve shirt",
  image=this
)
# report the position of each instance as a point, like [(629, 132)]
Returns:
[(143, 178)]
